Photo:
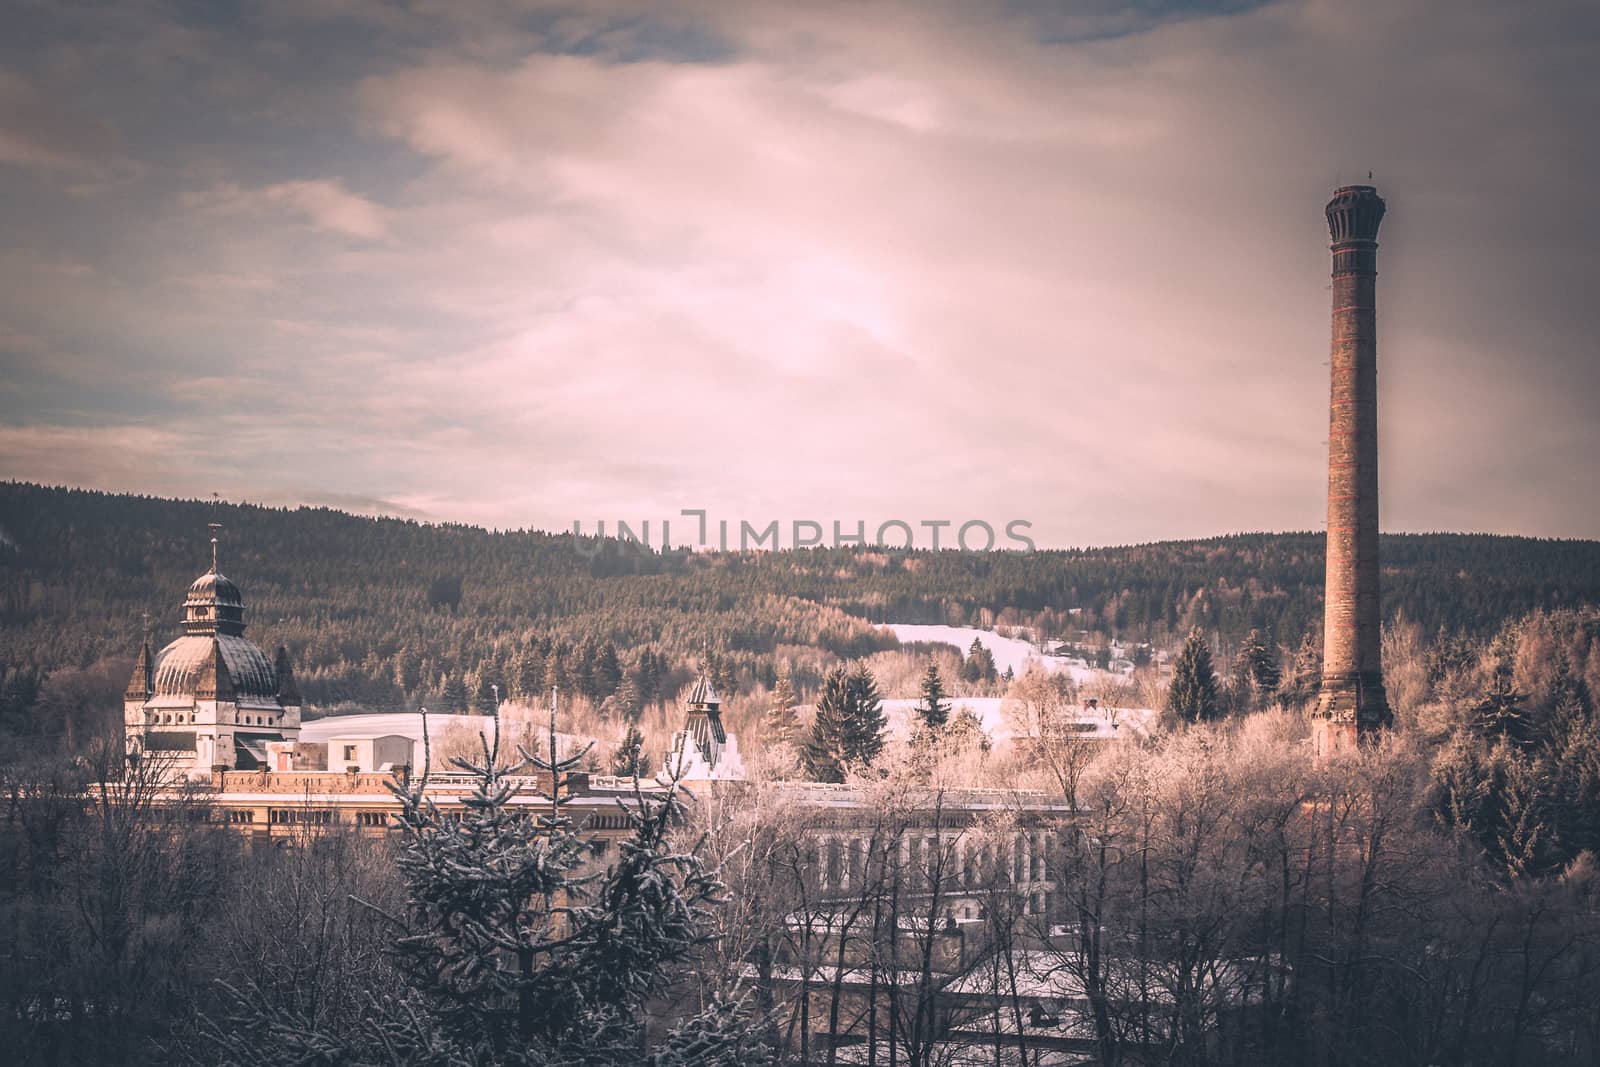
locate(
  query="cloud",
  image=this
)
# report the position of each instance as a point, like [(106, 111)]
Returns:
[(325, 205), (38, 132), (124, 457), (871, 261)]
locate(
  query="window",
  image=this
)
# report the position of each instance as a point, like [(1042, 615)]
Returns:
[(304, 816), (372, 818), (350, 752), (238, 816)]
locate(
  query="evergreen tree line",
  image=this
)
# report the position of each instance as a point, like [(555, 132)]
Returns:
[(387, 614)]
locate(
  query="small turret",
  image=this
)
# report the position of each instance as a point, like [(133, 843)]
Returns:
[(704, 719), (142, 684), (703, 750)]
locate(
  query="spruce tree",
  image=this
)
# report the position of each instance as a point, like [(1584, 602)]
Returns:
[(583, 674), (528, 672), (483, 695), (1192, 697), (456, 696), (779, 724), (1571, 762), (826, 747), (630, 759), (1255, 670), (648, 677), (510, 954), (626, 699), (979, 665), (607, 671), (865, 719), (934, 708), (1501, 711), (1305, 674)]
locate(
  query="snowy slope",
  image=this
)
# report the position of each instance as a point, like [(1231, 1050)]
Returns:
[(1010, 652)]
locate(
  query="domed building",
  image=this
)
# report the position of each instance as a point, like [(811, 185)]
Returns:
[(211, 699)]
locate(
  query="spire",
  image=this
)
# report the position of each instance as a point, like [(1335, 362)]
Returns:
[(703, 723), (214, 604), (214, 681), (215, 528), (142, 684)]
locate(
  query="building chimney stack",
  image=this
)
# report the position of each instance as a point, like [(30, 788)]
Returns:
[(1352, 706)]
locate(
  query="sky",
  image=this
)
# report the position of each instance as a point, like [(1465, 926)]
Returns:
[(526, 264)]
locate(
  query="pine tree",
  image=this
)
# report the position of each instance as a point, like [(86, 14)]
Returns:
[(721, 673), (528, 673), (933, 708), (607, 671), (509, 955), (630, 759), (583, 673), (650, 675), (780, 722), (483, 697), (1255, 670), (626, 699), (1501, 711), (554, 676), (825, 749), (979, 665), (1570, 703), (1571, 762), (1192, 697), (866, 720), (1305, 674), (456, 697)]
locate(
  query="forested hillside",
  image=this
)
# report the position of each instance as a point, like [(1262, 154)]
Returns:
[(385, 612)]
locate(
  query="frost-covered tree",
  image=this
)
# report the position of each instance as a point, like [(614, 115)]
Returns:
[(779, 724), (1305, 673), (1502, 710), (1255, 670), (511, 953)]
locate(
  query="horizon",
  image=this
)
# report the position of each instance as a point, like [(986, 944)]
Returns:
[(614, 536), (1060, 266)]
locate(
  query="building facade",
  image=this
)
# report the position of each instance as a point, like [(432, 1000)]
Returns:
[(210, 700)]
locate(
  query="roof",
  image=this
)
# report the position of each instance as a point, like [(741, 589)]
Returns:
[(214, 588), (704, 692), (182, 667)]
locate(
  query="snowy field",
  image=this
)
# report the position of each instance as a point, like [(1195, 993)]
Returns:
[(1011, 652), (990, 711)]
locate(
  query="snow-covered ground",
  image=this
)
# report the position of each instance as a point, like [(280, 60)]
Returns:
[(1011, 652), (1021, 656), (406, 724), (990, 710)]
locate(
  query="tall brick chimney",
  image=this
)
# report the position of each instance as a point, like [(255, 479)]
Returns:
[(1352, 706)]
